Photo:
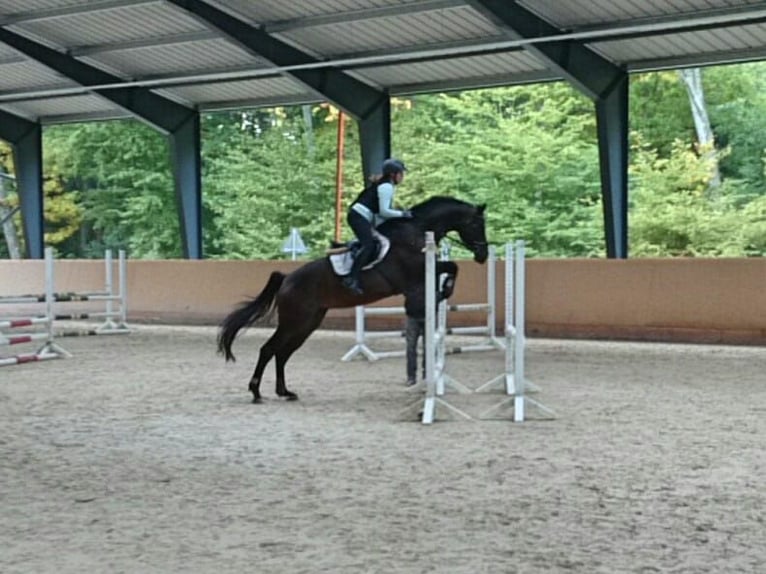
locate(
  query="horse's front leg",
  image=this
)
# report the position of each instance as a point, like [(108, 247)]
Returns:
[(448, 268)]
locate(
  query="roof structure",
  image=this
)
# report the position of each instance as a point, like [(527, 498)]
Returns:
[(170, 49)]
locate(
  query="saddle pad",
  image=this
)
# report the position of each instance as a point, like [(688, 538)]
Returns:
[(341, 262)]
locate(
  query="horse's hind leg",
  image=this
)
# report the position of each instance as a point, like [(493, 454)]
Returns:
[(292, 344), (268, 349)]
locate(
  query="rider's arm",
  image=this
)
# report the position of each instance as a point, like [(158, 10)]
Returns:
[(385, 199)]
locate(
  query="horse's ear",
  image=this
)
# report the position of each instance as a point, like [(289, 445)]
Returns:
[(480, 208)]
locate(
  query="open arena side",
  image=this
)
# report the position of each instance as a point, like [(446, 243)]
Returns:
[(145, 455)]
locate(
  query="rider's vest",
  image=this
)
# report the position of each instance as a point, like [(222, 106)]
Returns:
[(369, 199)]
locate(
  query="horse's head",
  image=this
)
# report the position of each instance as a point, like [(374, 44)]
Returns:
[(444, 214), (473, 233)]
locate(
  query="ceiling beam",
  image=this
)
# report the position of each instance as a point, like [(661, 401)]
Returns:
[(355, 97), (159, 112), (698, 60), (14, 128), (591, 73), (150, 42), (478, 82)]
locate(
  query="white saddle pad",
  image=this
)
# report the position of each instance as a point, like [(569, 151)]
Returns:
[(341, 262)]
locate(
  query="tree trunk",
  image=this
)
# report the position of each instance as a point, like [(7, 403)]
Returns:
[(692, 80), (308, 120), (9, 227)]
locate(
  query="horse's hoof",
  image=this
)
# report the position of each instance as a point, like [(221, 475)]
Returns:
[(289, 396), (257, 399)]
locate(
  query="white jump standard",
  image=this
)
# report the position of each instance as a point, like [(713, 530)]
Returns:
[(49, 350), (513, 380), (115, 319), (434, 349)]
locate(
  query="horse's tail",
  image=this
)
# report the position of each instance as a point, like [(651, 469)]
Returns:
[(248, 313)]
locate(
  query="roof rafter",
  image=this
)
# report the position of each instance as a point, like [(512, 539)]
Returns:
[(355, 97), (588, 71), (159, 112)]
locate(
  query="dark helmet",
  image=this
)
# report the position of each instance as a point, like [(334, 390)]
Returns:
[(391, 166)]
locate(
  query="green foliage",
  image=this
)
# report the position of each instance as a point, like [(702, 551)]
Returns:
[(120, 172), (671, 215), (737, 100), (529, 153), (262, 179)]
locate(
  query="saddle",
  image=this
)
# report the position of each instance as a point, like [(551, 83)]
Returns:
[(341, 255)]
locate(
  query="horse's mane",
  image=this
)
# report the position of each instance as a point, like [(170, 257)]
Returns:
[(435, 204), (433, 207)]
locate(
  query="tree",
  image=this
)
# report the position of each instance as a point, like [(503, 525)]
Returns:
[(692, 80)]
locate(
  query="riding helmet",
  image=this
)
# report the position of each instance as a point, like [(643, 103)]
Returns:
[(392, 165)]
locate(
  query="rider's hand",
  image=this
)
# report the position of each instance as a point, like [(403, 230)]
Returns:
[(407, 213)]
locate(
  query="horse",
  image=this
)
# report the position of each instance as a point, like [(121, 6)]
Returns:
[(303, 297)]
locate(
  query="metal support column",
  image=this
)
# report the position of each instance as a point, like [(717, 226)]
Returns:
[(25, 138), (186, 160), (612, 121), (603, 81), (375, 137)]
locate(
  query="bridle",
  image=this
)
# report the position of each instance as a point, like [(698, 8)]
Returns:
[(473, 246)]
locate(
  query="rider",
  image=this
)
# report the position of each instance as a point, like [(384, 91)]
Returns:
[(373, 206)]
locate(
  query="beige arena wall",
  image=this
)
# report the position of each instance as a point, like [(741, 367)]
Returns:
[(698, 300)]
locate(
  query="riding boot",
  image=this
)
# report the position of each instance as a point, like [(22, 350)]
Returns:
[(351, 281)]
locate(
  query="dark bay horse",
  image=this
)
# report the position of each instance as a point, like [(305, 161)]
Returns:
[(303, 297)]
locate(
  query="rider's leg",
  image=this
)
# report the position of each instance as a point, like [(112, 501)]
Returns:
[(363, 230)]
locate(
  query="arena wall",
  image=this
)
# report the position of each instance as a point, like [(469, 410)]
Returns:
[(697, 300)]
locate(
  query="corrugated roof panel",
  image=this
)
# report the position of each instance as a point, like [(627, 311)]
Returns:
[(684, 44), (72, 105), (277, 10), (214, 55), (28, 74), (6, 52), (451, 69), (421, 28), (109, 26), (246, 90), (579, 13), (16, 6)]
